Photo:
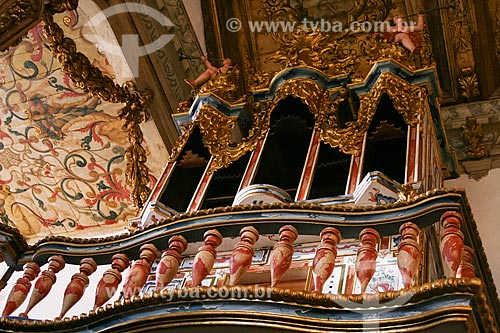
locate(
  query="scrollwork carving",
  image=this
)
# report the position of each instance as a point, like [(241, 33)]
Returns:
[(181, 142), (224, 85), (472, 133), (469, 85), (407, 100), (216, 129)]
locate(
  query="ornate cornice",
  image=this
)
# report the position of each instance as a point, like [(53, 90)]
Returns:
[(309, 218)]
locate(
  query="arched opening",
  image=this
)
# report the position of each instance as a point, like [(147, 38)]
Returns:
[(286, 146), (331, 173), (386, 142), (190, 167), (224, 184)]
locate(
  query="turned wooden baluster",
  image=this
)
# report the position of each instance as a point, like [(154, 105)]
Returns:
[(281, 256), (170, 261), (241, 257), (44, 283), (408, 252), (139, 272), (76, 287), (110, 280), (452, 241), (466, 269), (324, 259), (205, 258), (21, 289), (366, 260)]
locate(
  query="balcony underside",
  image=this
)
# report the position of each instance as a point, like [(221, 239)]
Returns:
[(441, 306)]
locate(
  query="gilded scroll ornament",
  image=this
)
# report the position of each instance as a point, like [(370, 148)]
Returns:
[(225, 85), (472, 133), (409, 191), (181, 142), (469, 85), (90, 79), (407, 100), (217, 128), (309, 91), (255, 80)]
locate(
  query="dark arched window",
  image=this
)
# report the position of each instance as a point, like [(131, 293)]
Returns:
[(386, 142), (286, 146), (190, 167)]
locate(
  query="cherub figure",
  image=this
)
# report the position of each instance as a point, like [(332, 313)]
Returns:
[(210, 72), (401, 32)]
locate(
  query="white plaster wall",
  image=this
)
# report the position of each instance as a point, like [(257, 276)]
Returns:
[(484, 198)]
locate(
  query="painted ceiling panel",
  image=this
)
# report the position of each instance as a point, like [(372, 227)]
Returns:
[(62, 165)]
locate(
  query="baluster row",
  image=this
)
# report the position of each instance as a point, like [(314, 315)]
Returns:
[(455, 255)]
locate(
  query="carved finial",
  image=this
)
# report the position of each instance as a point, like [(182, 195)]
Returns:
[(241, 257), (205, 258), (170, 261), (79, 282), (139, 272), (21, 288), (44, 283), (281, 256), (366, 260), (324, 259), (110, 280)]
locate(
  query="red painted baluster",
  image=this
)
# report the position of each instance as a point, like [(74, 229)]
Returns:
[(281, 256), (110, 280), (241, 257), (466, 269), (452, 241), (139, 272), (76, 287), (21, 289), (205, 258), (408, 252), (44, 283), (324, 259), (366, 260), (170, 261)]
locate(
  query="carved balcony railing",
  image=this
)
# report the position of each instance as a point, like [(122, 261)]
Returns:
[(377, 254)]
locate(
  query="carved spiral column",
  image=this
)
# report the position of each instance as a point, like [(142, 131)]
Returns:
[(466, 268), (138, 274), (366, 260), (44, 283), (281, 256), (241, 257), (324, 259), (79, 282), (110, 280), (205, 258), (170, 261), (452, 241), (21, 289), (408, 252)]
